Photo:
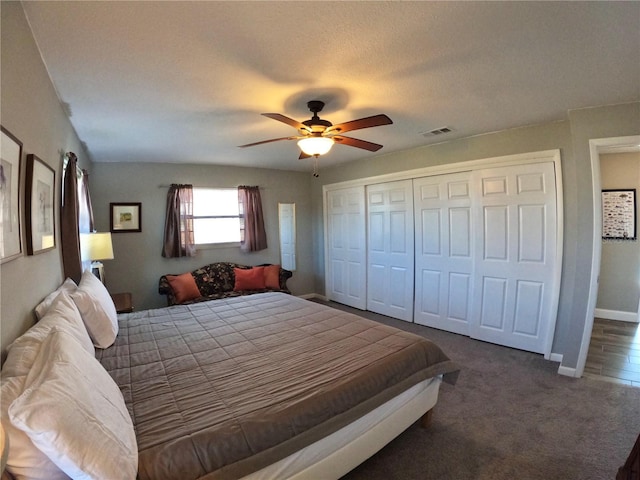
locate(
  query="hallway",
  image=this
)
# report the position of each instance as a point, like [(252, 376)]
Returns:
[(614, 352)]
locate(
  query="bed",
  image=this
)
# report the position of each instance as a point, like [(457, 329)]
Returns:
[(257, 387), (267, 375)]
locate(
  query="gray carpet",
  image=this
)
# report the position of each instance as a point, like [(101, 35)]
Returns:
[(510, 416)]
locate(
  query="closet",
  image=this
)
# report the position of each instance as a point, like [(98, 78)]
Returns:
[(475, 251)]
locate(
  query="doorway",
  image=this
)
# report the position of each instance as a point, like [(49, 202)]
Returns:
[(614, 352), (598, 146)]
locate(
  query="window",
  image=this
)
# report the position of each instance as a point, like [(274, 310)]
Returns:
[(216, 218)]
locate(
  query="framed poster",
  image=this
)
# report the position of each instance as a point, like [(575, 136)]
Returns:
[(40, 206), (619, 214), (10, 160), (126, 217)]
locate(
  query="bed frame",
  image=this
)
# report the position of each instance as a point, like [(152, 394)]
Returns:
[(342, 451)]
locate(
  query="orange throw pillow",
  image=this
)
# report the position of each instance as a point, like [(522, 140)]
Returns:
[(272, 276), (249, 278), (184, 287)]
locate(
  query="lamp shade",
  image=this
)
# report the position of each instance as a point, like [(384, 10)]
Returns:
[(315, 145), (96, 246)]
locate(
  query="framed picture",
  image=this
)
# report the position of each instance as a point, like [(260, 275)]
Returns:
[(619, 214), (39, 204), (10, 160), (126, 217)]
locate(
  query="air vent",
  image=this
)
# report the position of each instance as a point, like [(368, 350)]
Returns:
[(437, 131)]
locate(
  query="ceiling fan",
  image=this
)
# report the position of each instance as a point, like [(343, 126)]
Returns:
[(316, 136)]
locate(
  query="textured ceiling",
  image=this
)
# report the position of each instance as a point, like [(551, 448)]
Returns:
[(187, 81)]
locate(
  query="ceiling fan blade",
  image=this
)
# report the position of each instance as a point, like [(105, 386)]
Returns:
[(289, 121), (354, 142), (267, 141), (374, 121)]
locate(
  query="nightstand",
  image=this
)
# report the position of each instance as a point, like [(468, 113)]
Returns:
[(123, 302)]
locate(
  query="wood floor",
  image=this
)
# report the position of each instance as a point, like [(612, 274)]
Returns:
[(614, 352)]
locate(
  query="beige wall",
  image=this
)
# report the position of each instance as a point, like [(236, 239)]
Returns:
[(588, 124), (619, 286), (138, 265), (519, 140), (31, 110), (572, 138)]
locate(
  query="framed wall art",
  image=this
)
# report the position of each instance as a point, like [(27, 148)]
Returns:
[(126, 217), (10, 160), (40, 206), (619, 214)]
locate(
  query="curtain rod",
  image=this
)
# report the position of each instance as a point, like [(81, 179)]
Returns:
[(204, 186)]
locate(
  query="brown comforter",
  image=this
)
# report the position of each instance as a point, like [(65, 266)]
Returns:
[(223, 388)]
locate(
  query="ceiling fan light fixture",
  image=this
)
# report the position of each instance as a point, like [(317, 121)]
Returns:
[(315, 146)]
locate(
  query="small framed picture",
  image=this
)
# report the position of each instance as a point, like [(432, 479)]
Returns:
[(619, 214), (40, 206), (10, 160), (126, 217)]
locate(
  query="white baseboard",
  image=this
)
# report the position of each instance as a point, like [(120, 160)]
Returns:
[(567, 372), (556, 357), (616, 315)]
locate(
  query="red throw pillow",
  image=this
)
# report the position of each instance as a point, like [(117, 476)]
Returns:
[(249, 278), (272, 276), (184, 287)]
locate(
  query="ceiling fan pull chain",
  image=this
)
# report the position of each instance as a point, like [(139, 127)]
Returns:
[(315, 167)]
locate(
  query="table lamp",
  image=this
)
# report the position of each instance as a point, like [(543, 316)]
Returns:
[(96, 246)]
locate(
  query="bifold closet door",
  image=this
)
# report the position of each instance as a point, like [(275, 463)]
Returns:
[(515, 256), (390, 242), (346, 247), (444, 252)]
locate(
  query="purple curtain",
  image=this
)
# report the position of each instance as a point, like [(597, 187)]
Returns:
[(252, 234), (178, 224), (70, 236)]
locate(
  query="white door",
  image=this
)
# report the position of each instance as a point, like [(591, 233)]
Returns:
[(390, 268), (287, 224), (346, 247), (444, 251), (515, 256)]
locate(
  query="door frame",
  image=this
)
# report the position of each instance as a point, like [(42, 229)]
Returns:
[(596, 147), (517, 159)]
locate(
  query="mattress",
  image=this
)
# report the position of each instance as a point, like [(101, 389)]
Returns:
[(221, 389)]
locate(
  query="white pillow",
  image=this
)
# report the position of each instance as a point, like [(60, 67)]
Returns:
[(73, 411), (63, 313), (97, 310), (67, 286), (24, 461)]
